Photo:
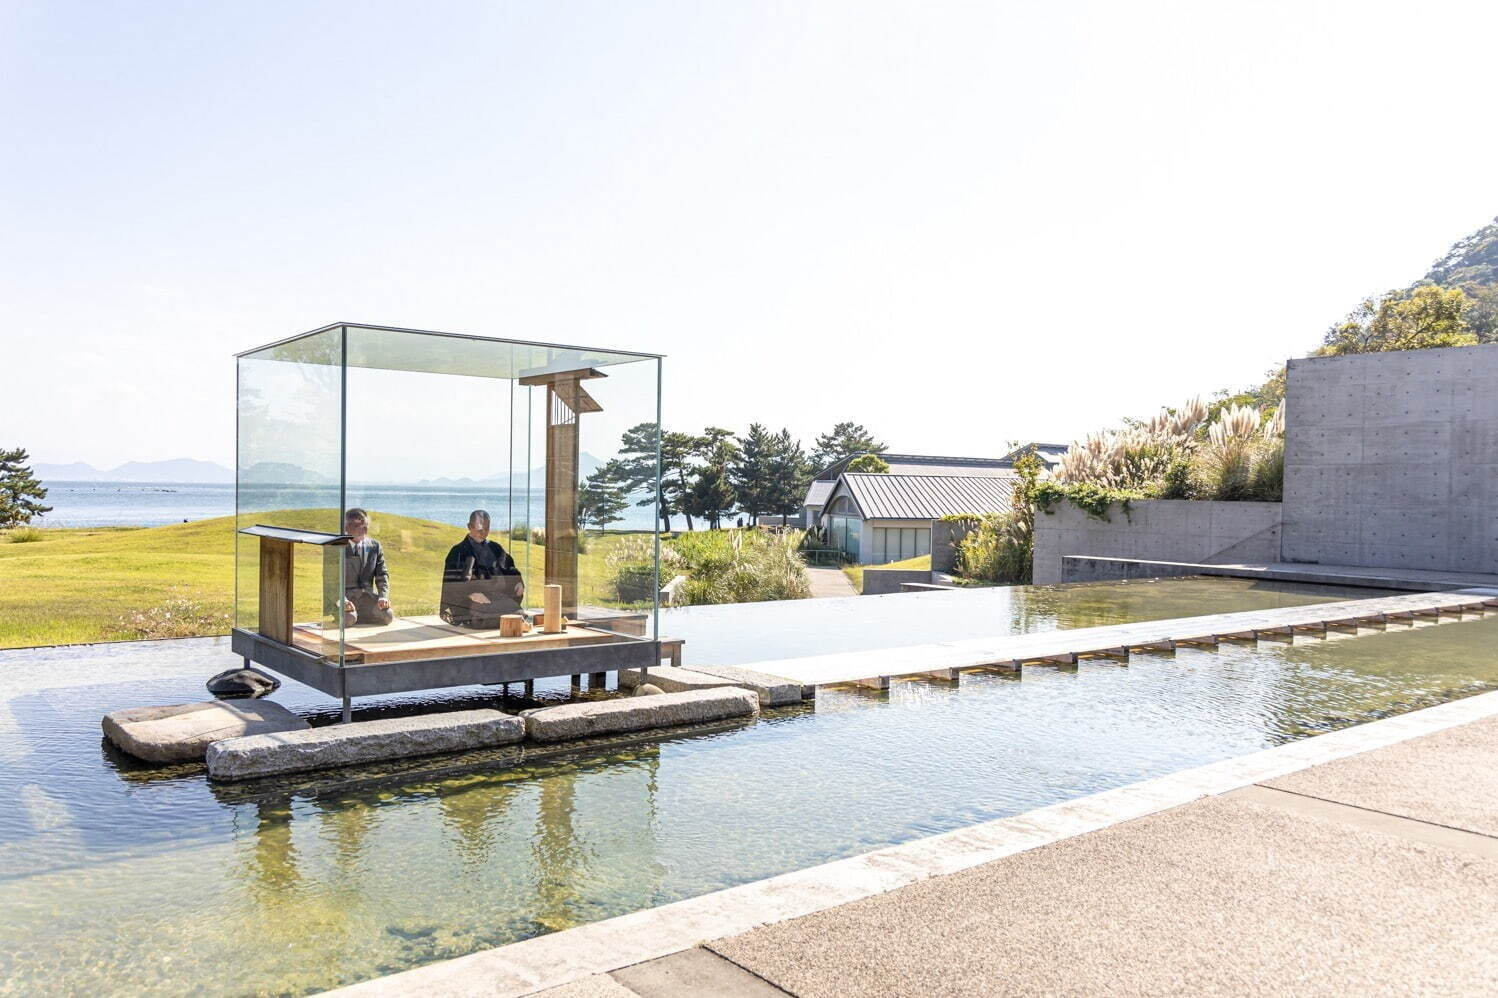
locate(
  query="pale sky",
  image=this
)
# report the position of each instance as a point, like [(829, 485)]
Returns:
[(959, 224)]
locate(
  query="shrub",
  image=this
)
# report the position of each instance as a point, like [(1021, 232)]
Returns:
[(176, 618), (1179, 454), (741, 566), (535, 535), (23, 535)]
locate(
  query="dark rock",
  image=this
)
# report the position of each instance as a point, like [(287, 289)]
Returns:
[(233, 683)]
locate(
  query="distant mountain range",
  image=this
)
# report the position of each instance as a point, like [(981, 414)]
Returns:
[(183, 469), (587, 464), (193, 472)]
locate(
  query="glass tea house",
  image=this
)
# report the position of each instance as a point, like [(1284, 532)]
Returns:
[(419, 510)]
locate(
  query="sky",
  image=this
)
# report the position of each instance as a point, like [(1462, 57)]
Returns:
[(958, 224)]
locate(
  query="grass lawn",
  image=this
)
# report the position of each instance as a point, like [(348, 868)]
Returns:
[(81, 584), (855, 572)]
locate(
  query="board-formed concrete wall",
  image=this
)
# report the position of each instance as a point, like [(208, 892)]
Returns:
[(1159, 530), (1391, 460)]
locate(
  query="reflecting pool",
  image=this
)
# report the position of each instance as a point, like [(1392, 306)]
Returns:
[(120, 877)]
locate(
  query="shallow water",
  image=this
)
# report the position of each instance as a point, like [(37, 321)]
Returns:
[(120, 877)]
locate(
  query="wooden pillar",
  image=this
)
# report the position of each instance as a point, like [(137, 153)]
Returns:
[(277, 565), (566, 401), (562, 453)]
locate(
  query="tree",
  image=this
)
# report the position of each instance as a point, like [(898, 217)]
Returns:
[(678, 452), (846, 440), (712, 495), (1428, 316), (21, 494), (603, 497), (751, 471), (1482, 316), (869, 464), (637, 466), (788, 475)]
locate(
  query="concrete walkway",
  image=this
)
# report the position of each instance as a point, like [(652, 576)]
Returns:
[(829, 582), (1377, 873)]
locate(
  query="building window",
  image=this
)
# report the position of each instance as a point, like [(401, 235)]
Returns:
[(900, 543)]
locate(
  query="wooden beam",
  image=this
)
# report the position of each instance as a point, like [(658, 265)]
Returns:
[(277, 565)]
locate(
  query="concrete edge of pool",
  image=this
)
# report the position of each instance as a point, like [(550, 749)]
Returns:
[(560, 958)]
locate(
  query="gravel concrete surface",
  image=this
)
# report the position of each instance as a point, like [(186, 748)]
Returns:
[(1215, 897)]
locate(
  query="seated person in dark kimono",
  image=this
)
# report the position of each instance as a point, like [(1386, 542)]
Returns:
[(366, 581), (480, 582)]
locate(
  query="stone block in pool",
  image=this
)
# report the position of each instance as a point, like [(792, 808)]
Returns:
[(666, 710), (772, 690), (361, 742), (182, 732)]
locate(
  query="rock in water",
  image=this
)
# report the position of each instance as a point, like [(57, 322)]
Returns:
[(242, 683), (647, 689), (183, 732)]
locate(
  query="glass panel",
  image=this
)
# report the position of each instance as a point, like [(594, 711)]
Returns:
[(288, 471), (923, 541), (429, 444), (415, 351)]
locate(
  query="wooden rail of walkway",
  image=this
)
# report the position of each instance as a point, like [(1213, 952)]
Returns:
[(944, 660)]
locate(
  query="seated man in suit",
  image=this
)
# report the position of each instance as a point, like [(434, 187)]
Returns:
[(480, 582), (366, 581)]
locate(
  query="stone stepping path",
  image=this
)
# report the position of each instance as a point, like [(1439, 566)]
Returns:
[(945, 660)]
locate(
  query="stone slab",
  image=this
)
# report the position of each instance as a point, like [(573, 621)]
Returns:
[(603, 717), (773, 691), (1449, 778), (672, 679), (597, 986), (361, 742), (183, 732), (693, 972)]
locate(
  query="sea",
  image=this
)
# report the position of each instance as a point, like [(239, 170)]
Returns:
[(154, 504)]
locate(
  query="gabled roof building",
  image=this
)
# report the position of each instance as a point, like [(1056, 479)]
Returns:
[(879, 518)]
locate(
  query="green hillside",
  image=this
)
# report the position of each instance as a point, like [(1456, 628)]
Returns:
[(73, 585), (1470, 262)]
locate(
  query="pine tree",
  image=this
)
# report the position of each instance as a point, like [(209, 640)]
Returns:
[(712, 496), (21, 494), (678, 451), (752, 471), (846, 440), (788, 475), (602, 498)]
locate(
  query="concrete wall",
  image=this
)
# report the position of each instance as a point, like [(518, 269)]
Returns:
[(1158, 530), (944, 538), (879, 581), (1391, 460)]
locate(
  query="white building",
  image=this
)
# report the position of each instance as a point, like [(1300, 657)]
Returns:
[(878, 518)]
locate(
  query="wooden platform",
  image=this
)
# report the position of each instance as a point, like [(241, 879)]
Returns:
[(944, 660), (411, 638)]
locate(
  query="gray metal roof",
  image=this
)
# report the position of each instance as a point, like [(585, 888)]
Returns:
[(927, 497), (818, 493), (1050, 454)]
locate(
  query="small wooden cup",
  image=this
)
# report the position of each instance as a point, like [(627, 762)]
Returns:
[(511, 625)]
